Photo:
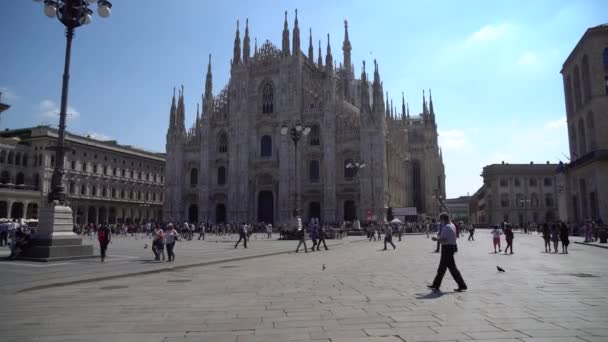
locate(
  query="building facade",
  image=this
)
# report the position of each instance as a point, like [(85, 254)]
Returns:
[(585, 75), (458, 208), (234, 165), (516, 193), (104, 181)]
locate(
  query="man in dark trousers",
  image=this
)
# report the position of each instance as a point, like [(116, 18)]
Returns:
[(447, 238), (301, 234), (242, 235), (322, 235), (104, 236), (388, 237)]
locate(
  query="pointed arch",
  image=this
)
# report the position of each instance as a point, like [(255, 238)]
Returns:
[(582, 144), (267, 98), (222, 143), (194, 177), (221, 175), (314, 137)]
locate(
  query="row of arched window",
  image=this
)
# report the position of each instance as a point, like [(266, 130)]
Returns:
[(582, 136), (14, 158), (314, 139), (578, 84), (124, 173), (106, 192), (19, 180)]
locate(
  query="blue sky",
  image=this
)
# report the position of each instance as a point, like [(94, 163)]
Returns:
[(493, 66)]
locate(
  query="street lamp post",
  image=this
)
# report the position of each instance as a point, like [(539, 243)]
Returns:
[(356, 166), (54, 238), (440, 201), (295, 132)]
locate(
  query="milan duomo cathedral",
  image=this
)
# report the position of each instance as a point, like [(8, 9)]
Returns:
[(234, 165)]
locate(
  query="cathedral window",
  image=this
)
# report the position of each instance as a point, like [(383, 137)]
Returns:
[(349, 172), (221, 175), (193, 177), (5, 178), (266, 146), (24, 159), (20, 179), (314, 136), (582, 144), (94, 191), (83, 190), (605, 59), (586, 79), (313, 171), (504, 200), (577, 88), (84, 167), (2, 156), (267, 99), (223, 143), (72, 187), (549, 200)]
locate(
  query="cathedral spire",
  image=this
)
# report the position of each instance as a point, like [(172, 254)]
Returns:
[(364, 89), (329, 64), (346, 48), (255, 48), (181, 121), (392, 110), (198, 116), (236, 58), (320, 58), (388, 112), (296, 36), (285, 37), (246, 48), (310, 48), (402, 105), (431, 104), (208, 88), (424, 109), (408, 111), (378, 105), (172, 113)]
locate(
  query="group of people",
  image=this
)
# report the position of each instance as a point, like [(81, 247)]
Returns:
[(15, 234), (316, 232), (554, 233)]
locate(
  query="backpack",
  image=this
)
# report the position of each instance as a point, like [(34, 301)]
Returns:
[(102, 234)]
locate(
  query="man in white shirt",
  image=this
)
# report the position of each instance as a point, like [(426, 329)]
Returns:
[(447, 238)]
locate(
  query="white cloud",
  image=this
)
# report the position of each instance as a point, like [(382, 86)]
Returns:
[(453, 139), (97, 136), (50, 109), (528, 58), (488, 33), (8, 95), (556, 124)]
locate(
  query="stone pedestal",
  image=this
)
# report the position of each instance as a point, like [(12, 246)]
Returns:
[(54, 238)]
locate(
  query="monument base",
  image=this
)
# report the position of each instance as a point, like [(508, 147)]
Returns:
[(54, 239)]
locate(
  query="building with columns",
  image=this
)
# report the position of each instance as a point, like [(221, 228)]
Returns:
[(105, 181), (234, 164), (585, 76), (516, 193)]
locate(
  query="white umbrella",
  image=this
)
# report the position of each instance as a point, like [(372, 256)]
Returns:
[(396, 220)]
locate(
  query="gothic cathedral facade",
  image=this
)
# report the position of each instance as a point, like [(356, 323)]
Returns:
[(361, 155)]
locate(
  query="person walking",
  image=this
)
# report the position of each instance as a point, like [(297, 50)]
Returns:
[(313, 233), (547, 237), (388, 237), (555, 236), (269, 231), (471, 232), (447, 238), (158, 244), (564, 237), (202, 231), (301, 235), (103, 236), (170, 238), (322, 236), (400, 231), (242, 235), (496, 233), (509, 238)]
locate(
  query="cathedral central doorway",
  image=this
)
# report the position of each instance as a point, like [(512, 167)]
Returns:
[(266, 207), (350, 211), (220, 213), (193, 213), (314, 210)]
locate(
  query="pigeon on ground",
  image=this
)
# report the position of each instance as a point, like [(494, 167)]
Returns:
[(323, 267), (499, 269), (145, 246)]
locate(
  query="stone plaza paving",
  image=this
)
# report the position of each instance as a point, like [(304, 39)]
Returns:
[(363, 294)]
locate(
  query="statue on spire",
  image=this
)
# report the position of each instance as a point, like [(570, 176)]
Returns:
[(329, 66), (285, 37), (310, 48), (296, 36), (346, 49), (246, 48), (236, 58)]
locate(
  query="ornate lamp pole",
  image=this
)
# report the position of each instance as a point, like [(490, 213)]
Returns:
[(440, 201), (295, 132), (54, 239)]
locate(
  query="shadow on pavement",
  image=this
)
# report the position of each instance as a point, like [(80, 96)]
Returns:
[(431, 295)]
